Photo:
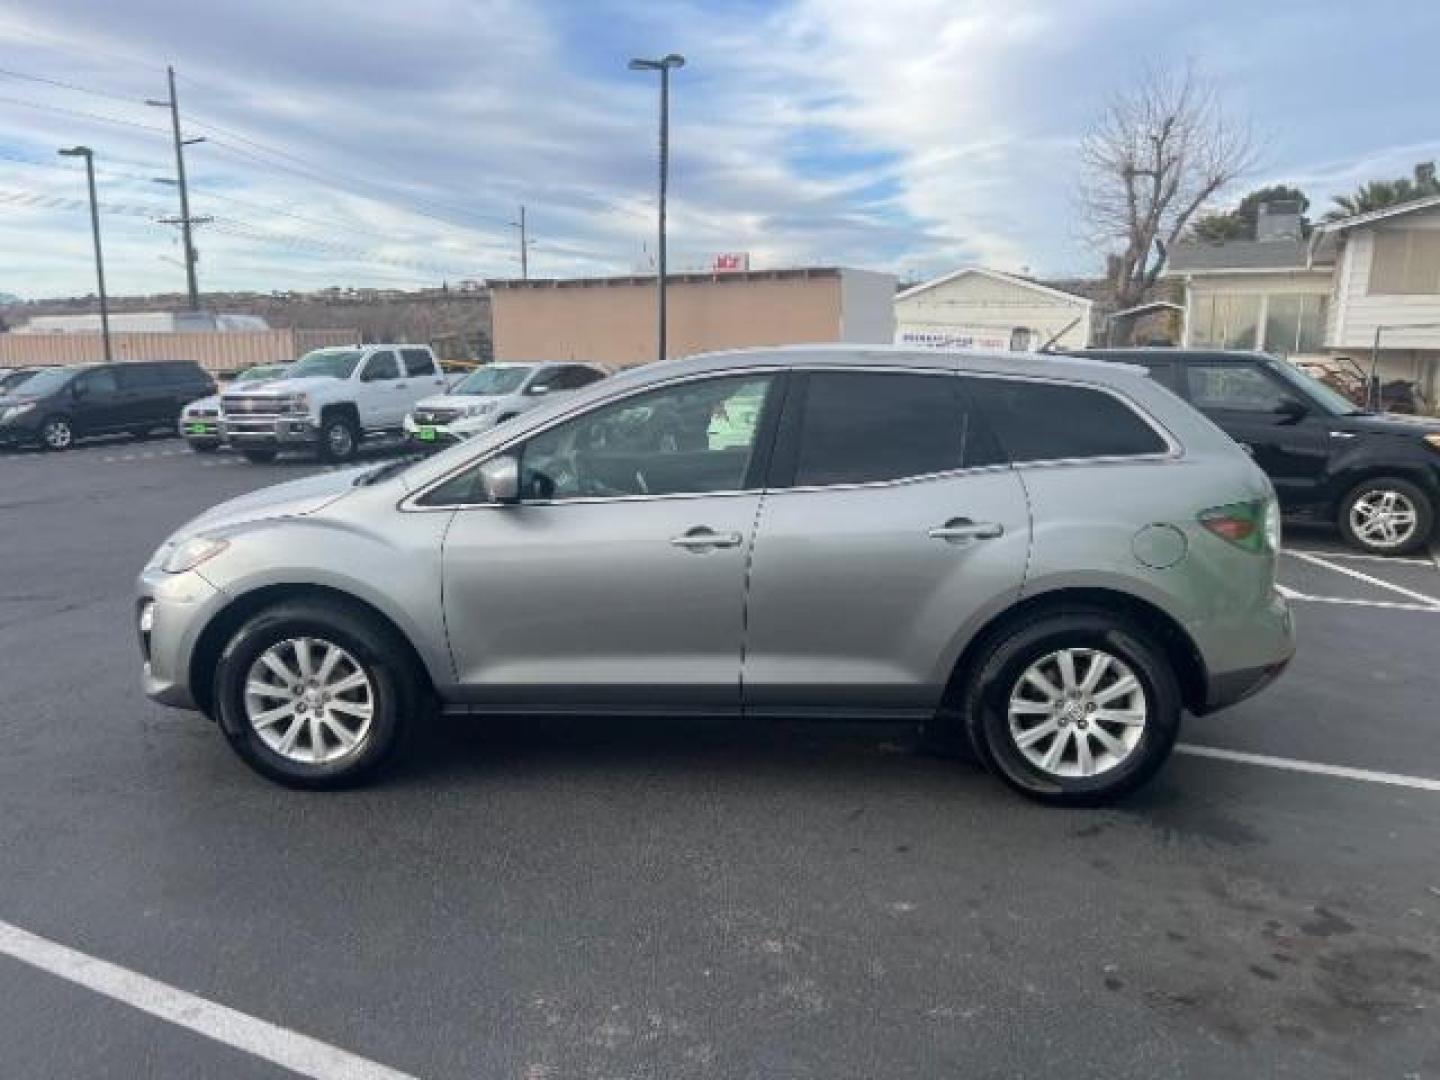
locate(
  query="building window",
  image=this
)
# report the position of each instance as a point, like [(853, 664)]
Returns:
[(1225, 320), (1405, 262), (1294, 324)]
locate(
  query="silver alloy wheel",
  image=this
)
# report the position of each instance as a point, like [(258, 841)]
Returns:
[(309, 700), (57, 434), (1077, 713), (1384, 518), (339, 439)]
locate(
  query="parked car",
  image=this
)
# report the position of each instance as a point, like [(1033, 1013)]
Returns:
[(58, 405), (1374, 475), (330, 400), (491, 395), (1044, 559), (200, 420)]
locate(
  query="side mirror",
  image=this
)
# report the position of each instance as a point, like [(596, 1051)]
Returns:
[(1292, 411), (537, 391), (500, 479)]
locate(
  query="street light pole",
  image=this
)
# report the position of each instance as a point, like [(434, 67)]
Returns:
[(662, 65), (89, 156)]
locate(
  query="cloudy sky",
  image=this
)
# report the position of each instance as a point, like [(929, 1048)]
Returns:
[(391, 144)]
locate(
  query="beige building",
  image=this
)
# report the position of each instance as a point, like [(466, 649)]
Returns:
[(985, 309), (613, 320)]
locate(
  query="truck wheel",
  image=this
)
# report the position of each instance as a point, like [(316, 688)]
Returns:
[(259, 456), (338, 438), (1386, 515)]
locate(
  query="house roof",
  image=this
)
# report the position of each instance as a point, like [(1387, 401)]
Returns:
[(1231, 255), (994, 275), (1429, 202)]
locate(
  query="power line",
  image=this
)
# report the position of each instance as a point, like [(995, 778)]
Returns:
[(82, 114), (69, 86)]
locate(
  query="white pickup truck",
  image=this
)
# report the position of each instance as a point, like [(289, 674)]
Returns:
[(331, 400)]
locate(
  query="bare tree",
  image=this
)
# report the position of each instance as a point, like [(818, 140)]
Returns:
[(1159, 152)]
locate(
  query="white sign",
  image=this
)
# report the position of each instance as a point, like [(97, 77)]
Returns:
[(986, 339)]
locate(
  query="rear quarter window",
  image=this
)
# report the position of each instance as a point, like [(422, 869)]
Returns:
[(1042, 421)]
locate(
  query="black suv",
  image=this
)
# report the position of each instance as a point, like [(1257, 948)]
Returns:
[(56, 406), (1376, 475)]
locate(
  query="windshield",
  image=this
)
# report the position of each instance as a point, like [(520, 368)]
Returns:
[(1331, 401), (492, 381), (44, 382), (336, 363), (264, 371), (9, 380)]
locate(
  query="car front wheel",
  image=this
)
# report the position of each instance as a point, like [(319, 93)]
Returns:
[(56, 434), (315, 695), (338, 439), (1386, 515), (1076, 708)]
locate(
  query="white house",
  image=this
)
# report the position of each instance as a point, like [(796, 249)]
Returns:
[(1325, 297), (985, 309)]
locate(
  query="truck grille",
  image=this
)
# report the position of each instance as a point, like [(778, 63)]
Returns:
[(267, 405), (437, 416)]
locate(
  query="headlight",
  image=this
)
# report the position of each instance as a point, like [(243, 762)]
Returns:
[(1433, 439), (297, 403), (191, 553), (15, 411)]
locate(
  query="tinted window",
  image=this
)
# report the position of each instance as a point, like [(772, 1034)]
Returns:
[(1037, 421), (381, 365), (1234, 387), (418, 362), (98, 383), (549, 378), (695, 437), (584, 376), (858, 427), (141, 377)]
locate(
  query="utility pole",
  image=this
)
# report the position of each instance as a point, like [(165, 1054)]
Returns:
[(185, 221), (524, 245), (664, 66), (89, 156)]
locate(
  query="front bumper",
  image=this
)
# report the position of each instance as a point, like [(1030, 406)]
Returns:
[(170, 612), (432, 437), (22, 431), (242, 430), (201, 430)]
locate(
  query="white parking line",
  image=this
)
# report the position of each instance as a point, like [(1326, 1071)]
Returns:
[(1432, 601), (288, 1049), (1370, 776), (1355, 555)]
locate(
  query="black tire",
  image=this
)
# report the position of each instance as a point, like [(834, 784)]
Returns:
[(386, 662), (204, 448), (339, 438), (1419, 499), (57, 434), (999, 671), (259, 455)]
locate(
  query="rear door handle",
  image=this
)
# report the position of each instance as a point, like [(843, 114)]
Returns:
[(961, 530), (700, 538)]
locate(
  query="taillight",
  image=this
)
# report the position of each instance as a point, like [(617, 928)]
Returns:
[(1254, 526)]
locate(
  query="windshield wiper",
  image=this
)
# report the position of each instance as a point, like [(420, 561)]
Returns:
[(389, 469)]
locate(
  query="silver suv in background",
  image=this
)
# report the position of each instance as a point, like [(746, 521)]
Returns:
[(1043, 560), (491, 395)]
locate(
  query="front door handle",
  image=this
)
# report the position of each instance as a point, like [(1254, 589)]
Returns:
[(962, 530), (702, 538)]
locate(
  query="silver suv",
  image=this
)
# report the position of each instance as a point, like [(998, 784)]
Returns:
[(1044, 561)]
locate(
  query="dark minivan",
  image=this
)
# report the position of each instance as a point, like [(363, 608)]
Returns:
[(56, 406), (1375, 475)]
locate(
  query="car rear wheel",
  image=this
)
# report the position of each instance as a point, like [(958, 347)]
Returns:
[(338, 439), (259, 456), (315, 695), (56, 434), (1386, 515), (1076, 708)]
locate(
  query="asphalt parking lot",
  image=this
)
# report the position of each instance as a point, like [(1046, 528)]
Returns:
[(647, 899)]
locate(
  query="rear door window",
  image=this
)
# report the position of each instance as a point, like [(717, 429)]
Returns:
[(1042, 421), (855, 427), (418, 362), (139, 377)]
